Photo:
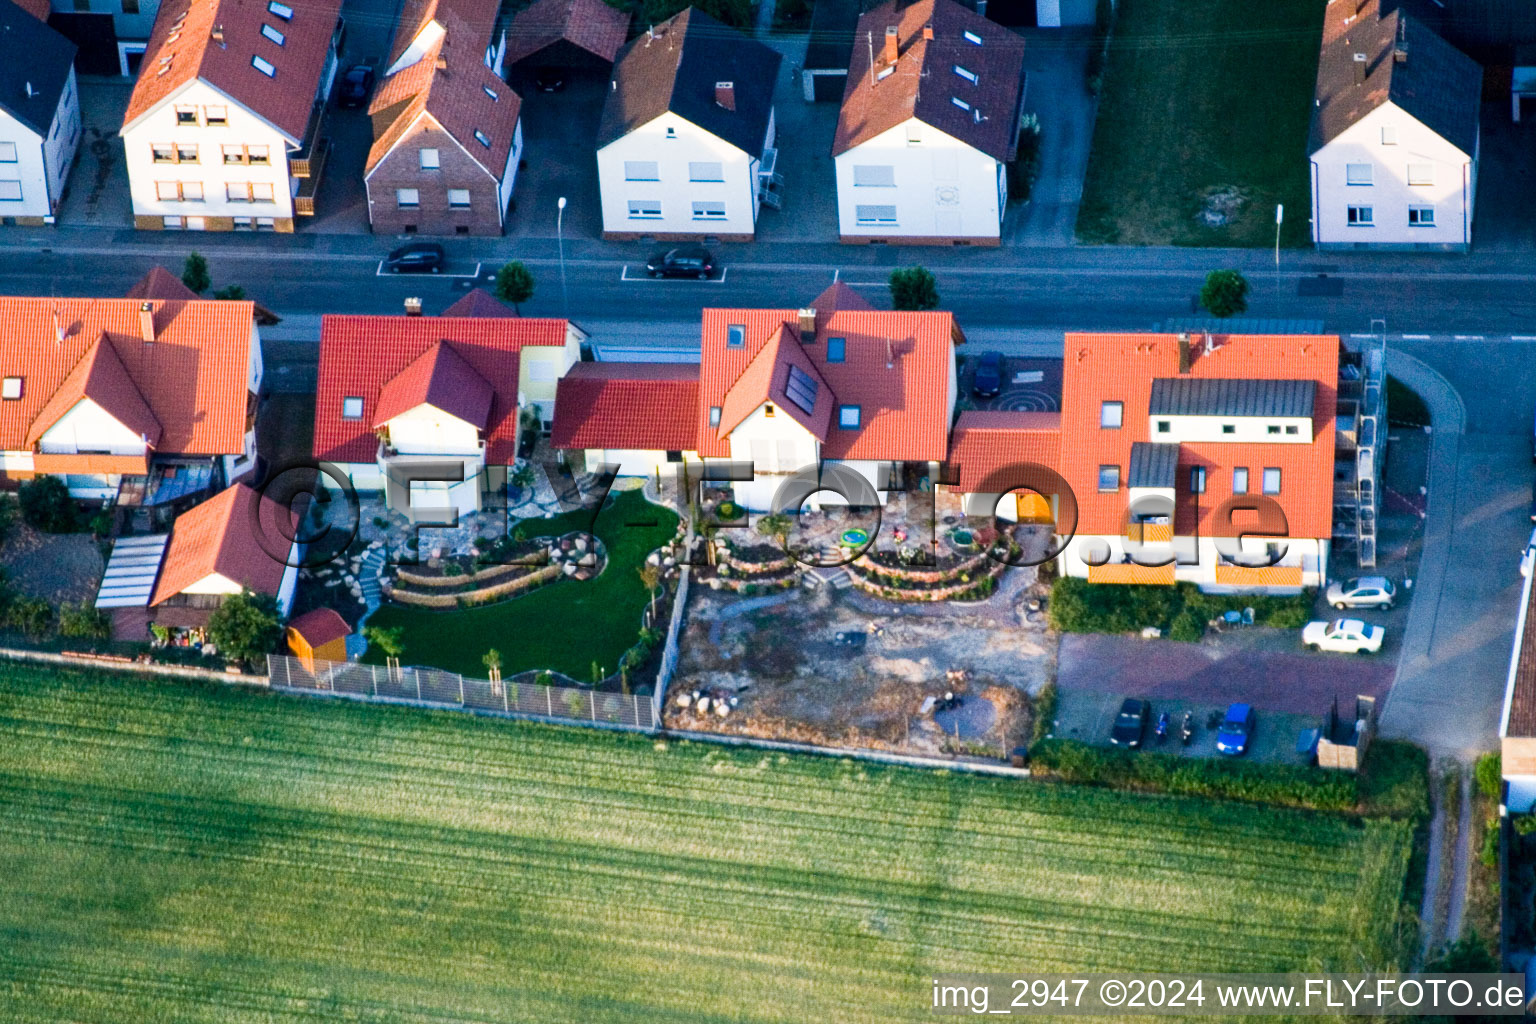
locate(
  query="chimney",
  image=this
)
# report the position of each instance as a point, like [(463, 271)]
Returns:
[(147, 322), (725, 95), (890, 355), (1400, 50), (1183, 352), (218, 34), (891, 52), (928, 32), (807, 326), (1360, 60), (413, 306), (31, 92)]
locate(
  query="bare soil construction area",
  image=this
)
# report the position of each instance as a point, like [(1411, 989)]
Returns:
[(795, 678)]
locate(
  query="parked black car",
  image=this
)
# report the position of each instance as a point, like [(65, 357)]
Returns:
[(356, 84), (1131, 723), (415, 257), (548, 79), (989, 375), (683, 261)]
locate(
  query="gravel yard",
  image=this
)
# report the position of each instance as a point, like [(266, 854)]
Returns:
[(56, 567)]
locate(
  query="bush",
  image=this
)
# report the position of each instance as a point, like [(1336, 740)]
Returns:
[(1045, 713), (913, 288), (1225, 293), (1490, 776), (47, 506), (83, 620), (1186, 627), (245, 627), (9, 513), (729, 511), (1488, 853), (1284, 785), (30, 615), (1394, 781), (1078, 606)]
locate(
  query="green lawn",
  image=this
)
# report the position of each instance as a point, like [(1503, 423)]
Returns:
[(564, 626), (1200, 95), (197, 854)]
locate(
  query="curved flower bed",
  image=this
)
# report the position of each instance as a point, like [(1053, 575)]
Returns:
[(975, 577), (481, 595)]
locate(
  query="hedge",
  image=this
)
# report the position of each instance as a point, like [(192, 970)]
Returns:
[(1078, 606)]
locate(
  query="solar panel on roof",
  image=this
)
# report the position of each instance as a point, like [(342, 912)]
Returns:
[(801, 389)]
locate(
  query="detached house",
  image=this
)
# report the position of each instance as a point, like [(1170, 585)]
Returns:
[(240, 540), (135, 400), (425, 409), (685, 145), (929, 122), (574, 34), (224, 129), (448, 133), (39, 117), (1395, 138)]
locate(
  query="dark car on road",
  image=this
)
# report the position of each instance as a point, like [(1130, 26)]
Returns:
[(1236, 729), (1131, 723), (683, 261), (989, 375), (415, 258), (548, 79), (355, 86)]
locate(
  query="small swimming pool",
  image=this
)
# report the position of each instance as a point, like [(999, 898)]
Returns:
[(855, 538)]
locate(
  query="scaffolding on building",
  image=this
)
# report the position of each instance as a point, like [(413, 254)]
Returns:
[(1360, 447)]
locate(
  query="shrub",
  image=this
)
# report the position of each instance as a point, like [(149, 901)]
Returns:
[(545, 679), (1490, 776), (83, 620), (245, 627), (1488, 853), (1186, 626), (1225, 293), (575, 703), (1045, 713), (47, 506), (729, 511), (194, 273), (1523, 824), (30, 615), (1394, 781), (913, 288)]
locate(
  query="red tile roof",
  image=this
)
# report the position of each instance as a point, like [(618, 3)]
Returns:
[(192, 380), (839, 296), (644, 406), (479, 302), (320, 626), (360, 355), (284, 100), (441, 378), (766, 379), (984, 442), (925, 83), (220, 536), (160, 283), (594, 25), (898, 368), (1122, 367), (101, 377), (40, 9)]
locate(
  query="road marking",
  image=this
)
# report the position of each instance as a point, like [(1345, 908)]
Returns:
[(381, 272), (1522, 337), (1415, 337), (1469, 337), (866, 284), (1363, 337), (624, 276)]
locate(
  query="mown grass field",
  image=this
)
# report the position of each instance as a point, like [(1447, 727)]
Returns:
[(191, 854), (1202, 95)]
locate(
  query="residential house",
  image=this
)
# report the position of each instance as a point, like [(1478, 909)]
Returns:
[(448, 132), (142, 402), (239, 541), (39, 117), (112, 34), (1395, 138), (224, 129), (929, 122), (685, 145), (577, 35), (1199, 458), (640, 419), (428, 409)]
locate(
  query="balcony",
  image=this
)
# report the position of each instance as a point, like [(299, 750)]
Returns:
[(1258, 576), (388, 455), (312, 166), (1130, 572), (1149, 533)]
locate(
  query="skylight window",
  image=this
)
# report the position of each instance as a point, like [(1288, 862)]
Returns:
[(10, 389), (491, 93), (966, 73), (885, 72), (836, 349), (972, 37), (482, 138), (272, 34), (801, 389), (264, 66), (957, 101), (352, 408), (281, 10)]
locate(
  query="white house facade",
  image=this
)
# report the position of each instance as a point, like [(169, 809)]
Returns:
[(39, 117)]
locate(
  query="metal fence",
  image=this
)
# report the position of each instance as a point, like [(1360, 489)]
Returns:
[(435, 688)]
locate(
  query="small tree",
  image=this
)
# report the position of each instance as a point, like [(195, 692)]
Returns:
[(491, 659), (1490, 775), (194, 273), (514, 284), (650, 579), (245, 627), (1225, 293), (913, 288), (230, 292), (46, 505), (390, 641), (775, 526)]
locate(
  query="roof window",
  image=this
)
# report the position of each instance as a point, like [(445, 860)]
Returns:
[(482, 138), (491, 93), (972, 37), (957, 101), (966, 73), (10, 389), (281, 10), (272, 34), (264, 66), (885, 72)]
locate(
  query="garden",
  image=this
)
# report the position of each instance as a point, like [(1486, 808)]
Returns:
[(226, 854), (1180, 612)]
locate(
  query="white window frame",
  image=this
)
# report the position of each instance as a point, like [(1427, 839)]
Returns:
[(402, 203), (1111, 415), (645, 209), (1358, 175), (714, 415), (967, 74), (263, 65), (706, 170), (1109, 474), (874, 175), (1389, 135), (11, 388), (216, 116), (351, 407), (6, 185), (971, 37), (1361, 217), (482, 138), (272, 33), (874, 213), (455, 205), (642, 170), (708, 209), (1422, 178), (9, 147), (282, 10), (426, 163), (1421, 216), (1240, 480), (1268, 487), (849, 417)]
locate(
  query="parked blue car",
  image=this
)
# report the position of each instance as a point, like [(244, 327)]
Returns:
[(1232, 738)]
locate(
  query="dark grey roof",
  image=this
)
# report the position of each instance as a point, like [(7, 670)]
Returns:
[(832, 25), (31, 52), (1435, 83), (1153, 465), (675, 66), (1205, 396)]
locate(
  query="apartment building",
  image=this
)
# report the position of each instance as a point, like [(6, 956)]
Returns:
[(39, 117)]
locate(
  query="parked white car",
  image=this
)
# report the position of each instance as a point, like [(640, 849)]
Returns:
[(1362, 592), (1347, 636)]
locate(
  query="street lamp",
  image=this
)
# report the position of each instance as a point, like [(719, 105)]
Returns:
[(565, 296)]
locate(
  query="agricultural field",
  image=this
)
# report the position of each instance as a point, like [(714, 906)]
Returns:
[(185, 853)]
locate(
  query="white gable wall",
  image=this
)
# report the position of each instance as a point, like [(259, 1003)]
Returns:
[(87, 427), (42, 162), (944, 189), (1389, 195), (777, 446), (427, 430), (673, 191)]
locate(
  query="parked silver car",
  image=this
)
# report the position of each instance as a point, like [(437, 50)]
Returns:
[(1362, 592)]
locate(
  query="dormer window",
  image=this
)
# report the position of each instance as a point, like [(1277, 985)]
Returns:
[(671, 133), (10, 389), (272, 34), (264, 66), (281, 10), (966, 73)]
